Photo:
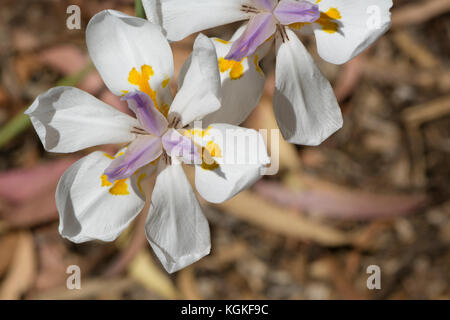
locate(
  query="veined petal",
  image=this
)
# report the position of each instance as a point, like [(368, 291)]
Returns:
[(242, 86), (143, 150), (292, 11), (92, 208), (199, 85), (180, 18), (149, 117), (259, 29), (131, 54), (240, 157), (176, 227), (68, 119), (304, 103), (180, 146), (346, 28), (265, 4)]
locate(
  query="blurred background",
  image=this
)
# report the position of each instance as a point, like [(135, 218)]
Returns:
[(375, 193)]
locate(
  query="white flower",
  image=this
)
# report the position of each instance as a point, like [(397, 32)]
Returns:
[(304, 103), (100, 194)]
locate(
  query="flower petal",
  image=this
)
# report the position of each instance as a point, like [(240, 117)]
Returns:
[(143, 150), (348, 27), (177, 145), (180, 18), (242, 86), (149, 117), (259, 29), (199, 85), (240, 157), (176, 227), (265, 4), (292, 11), (304, 103), (131, 53), (68, 119), (92, 208)]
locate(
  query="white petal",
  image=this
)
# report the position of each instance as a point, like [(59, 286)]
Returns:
[(118, 43), (89, 207), (361, 23), (199, 84), (242, 85), (68, 119), (176, 227), (180, 18), (241, 156), (304, 103)]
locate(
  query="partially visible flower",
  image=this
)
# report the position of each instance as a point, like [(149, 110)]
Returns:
[(304, 103), (100, 195)]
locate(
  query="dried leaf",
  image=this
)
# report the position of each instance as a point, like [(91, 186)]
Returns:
[(22, 270), (144, 271), (257, 210)]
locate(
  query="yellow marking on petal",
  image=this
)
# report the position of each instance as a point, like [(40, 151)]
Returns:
[(142, 81), (165, 82), (105, 181), (326, 21), (222, 41), (298, 25), (120, 188), (236, 68), (108, 156), (256, 62), (214, 149), (208, 162), (197, 132), (318, 1), (164, 109), (141, 177), (124, 92), (334, 14)]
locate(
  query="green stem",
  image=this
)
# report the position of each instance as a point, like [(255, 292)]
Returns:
[(139, 9)]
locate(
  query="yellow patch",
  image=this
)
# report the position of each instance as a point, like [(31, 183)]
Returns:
[(222, 41), (141, 79), (197, 132), (141, 177), (334, 14), (164, 109), (214, 149), (108, 156), (208, 162), (120, 188), (105, 181), (165, 82), (211, 150), (327, 21), (236, 68), (258, 68)]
